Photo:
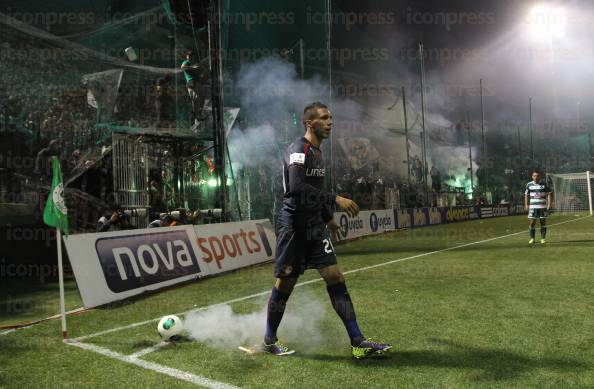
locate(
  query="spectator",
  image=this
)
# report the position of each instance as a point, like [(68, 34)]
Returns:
[(162, 102), (192, 75), (417, 170), (435, 179), (43, 160)]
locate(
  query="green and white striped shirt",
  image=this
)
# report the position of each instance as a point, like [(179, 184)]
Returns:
[(538, 194)]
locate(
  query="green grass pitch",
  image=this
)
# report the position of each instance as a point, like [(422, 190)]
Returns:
[(498, 313)]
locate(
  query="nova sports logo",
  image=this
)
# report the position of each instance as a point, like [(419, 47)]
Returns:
[(131, 262), (234, 244)]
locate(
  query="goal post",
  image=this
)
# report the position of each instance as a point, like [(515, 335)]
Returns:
[(572, 192), (589, 180)]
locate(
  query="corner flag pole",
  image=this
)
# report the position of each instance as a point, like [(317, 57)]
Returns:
[(55, 214), (61, 281)]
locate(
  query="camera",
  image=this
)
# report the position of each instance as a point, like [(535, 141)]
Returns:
[(119, 219), (185, 214), (126, 213), (215, 213)]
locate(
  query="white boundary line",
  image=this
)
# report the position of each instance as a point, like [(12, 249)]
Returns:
[(314, 281), (140, 323), (149, 350), (175, 373), (17, 329), (30, 325)]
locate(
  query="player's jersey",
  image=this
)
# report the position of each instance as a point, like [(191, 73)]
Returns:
[(538, 194), (305, 200)]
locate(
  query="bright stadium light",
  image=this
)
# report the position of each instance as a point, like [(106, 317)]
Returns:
[(546, 26), (545, 22)]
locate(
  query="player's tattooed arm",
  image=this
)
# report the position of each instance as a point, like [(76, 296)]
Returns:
[(347, 205)]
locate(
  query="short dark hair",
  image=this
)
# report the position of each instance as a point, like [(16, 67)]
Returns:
[(535, 171), (310, 110)]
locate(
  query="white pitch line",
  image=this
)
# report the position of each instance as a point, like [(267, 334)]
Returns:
[(175, 373), (314, 281), (31, 325), (16, 329), (177, 314), (149, 350)]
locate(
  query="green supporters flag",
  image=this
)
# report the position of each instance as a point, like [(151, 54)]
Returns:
[(55, 213)]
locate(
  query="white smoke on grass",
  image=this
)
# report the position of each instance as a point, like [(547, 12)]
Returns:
[(222, 328)]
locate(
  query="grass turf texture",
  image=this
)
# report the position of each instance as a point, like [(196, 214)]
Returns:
[(28, 301), (495, 314)]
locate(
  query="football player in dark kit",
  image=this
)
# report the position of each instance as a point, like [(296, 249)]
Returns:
[(303, 234)]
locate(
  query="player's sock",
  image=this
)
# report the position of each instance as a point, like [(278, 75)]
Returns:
[(276, 309), (532, 232), (343, 305), (543, 232)]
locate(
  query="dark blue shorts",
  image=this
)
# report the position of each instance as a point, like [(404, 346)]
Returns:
[(301, 247), (538, 213)]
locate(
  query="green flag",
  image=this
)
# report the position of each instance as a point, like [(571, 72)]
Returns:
[(55, 213)]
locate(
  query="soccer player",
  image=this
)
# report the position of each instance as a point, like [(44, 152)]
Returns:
[(537, 200), (303, 231)]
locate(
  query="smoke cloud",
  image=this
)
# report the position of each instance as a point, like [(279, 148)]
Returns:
[(272, 97), (222, 328), (253, 147), (270, 92), (270, 87)]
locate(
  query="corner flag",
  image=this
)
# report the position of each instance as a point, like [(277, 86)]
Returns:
[(55, 213)]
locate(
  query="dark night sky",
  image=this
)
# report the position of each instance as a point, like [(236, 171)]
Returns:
[(435, 35), (516, 67)]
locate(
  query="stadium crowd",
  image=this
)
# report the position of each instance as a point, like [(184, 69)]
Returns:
[(45, 110)]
